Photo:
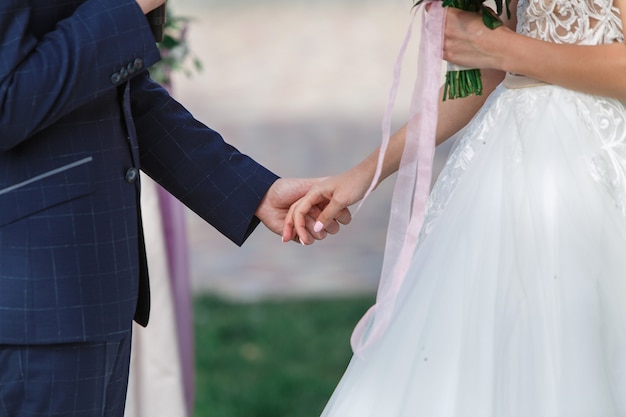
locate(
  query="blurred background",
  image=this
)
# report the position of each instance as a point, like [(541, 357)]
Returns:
[(301, 86)]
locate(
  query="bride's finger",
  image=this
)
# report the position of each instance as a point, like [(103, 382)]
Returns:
[(332, 227), (302, 217)]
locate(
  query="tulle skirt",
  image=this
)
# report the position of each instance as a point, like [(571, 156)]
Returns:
[(515, 303)]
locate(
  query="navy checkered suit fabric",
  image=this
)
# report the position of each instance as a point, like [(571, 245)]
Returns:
[(78, 116), (76, 379)]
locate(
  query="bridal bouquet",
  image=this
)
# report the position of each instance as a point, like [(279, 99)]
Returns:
[(462, 82)]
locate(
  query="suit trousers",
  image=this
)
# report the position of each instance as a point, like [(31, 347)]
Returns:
[(85, 379)]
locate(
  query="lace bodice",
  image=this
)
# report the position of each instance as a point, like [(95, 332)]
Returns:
[(584, 22)]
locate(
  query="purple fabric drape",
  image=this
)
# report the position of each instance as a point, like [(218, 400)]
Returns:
[(174, 229)]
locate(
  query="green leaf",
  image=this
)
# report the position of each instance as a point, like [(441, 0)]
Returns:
[(490, 19), (175, 50)]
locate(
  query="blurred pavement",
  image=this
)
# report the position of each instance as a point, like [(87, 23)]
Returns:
[(301, 87)]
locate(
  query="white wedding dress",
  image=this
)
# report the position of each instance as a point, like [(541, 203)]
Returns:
[(515, 301)]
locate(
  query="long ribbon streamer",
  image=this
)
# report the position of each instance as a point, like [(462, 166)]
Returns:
[(414, 175)]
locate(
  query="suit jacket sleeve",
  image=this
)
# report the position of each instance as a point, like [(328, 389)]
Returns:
[(46, 73), (194, 163)]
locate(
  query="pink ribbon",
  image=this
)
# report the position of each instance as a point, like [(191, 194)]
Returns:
[(414, 175)]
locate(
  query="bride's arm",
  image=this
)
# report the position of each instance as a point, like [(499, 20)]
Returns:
[(343, 190), (597, 69), (452, 116), (338, 192)]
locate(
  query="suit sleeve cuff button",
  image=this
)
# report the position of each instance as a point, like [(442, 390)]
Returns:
[(138, 63), (116, 78)]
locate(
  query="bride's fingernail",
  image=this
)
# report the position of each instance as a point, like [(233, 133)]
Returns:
[(302, 242), (318, 227)]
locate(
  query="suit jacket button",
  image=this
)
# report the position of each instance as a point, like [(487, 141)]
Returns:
[(131, 69), (131, 175), (116, 78)]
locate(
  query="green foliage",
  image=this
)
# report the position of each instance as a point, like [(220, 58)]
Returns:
[(278, 359), (176, 55)]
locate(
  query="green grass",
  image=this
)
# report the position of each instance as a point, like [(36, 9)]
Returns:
[(271, 359)]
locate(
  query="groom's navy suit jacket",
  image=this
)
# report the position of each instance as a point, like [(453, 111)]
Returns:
[(78, 116)]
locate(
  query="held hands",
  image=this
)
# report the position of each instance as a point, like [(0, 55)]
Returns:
[(274, 210), (325, 205)]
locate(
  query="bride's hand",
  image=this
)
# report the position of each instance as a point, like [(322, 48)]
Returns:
[(469, 43)]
